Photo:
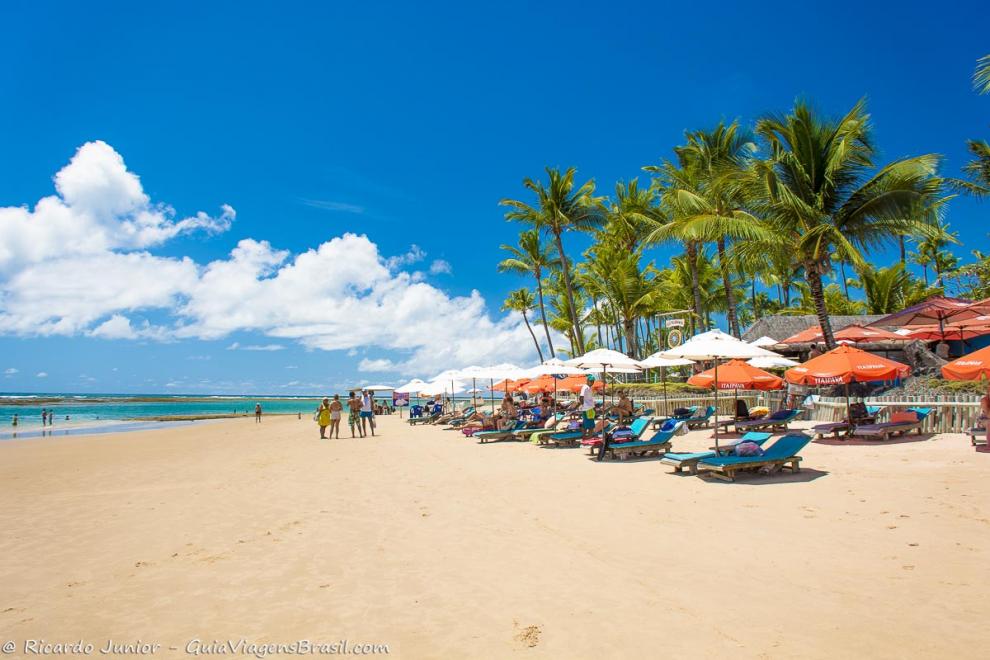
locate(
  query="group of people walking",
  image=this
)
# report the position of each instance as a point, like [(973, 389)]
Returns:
[(360, 415)]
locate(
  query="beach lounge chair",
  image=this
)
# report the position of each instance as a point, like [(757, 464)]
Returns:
[(507, 433), (658, 444), (858, 414), (742, 414), (782, 453), (777, 419), (569, 438), (689, 461), (977, 436), (704, 419), (637, 427), (547, 426), (679, 413), (426, 418), (900, 423)]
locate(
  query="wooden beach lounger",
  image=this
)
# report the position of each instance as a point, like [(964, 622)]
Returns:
[(782, 453), (690, 460), (900, 423), (698, 421), (637, 427), (777, 419), (858, 414)]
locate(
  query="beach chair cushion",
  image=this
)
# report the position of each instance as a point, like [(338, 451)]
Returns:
[(901, 417), (787, 446)]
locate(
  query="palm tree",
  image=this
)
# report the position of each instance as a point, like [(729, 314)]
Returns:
[(532, 259), (560, 208), (522, 301), (819, 192), (632, 214), (614, 274), (893, 288), (981, 77), (708, 204), (977, 171)]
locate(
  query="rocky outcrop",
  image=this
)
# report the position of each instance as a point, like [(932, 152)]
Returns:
[(923, 362)]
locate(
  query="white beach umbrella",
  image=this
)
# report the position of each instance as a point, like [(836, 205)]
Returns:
[(605, 359), (772, 363), (379, 388), (717, 345), (413, 386), (657, 361), (555, 367), (764, 341)]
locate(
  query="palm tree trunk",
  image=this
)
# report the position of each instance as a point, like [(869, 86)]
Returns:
[(900, 240), (578, 336), (845, 282), (543, 313), (692, 253), (533, 335), (730, 296), (818, 296), (924, 269), (629, 325)]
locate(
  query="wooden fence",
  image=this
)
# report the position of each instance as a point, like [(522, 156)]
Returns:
[(952, 413)]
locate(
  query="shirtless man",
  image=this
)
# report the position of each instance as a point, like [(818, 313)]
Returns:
[(354, 416)]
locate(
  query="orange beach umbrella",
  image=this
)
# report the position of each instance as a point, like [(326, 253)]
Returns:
[(737, 375), (574, 383), (851, 333), (846, 364), (974, 366)]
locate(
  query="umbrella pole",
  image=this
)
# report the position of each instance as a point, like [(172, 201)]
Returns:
[(716, 406), (604, 448), (848, 408), (666, 407), (491, 389)]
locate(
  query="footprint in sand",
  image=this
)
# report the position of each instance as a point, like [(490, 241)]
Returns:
[(141, 564), (529, 636)]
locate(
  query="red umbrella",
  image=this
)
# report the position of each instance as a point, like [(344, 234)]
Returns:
[(851, 333), (937, 308), (954, 331)]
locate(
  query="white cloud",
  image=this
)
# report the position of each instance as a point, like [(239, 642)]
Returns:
[(81, 267), (41, 374), (414, 255), (10, 371), (376, 365), (440, 266), (329, 205), (291, 366), (236, 346)]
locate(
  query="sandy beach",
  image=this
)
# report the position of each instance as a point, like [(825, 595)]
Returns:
[(443, 548)]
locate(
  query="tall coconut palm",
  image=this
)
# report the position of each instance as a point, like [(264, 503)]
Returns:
[(522, 301), (560, 208), (632, 215), (531, 258), (710, 206), (819, 192), (668, 177), (614, 274)]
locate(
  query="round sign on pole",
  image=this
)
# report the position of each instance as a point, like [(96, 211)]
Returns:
[(674, 338)]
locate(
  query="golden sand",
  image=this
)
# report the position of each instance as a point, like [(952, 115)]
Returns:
[(444, 548)]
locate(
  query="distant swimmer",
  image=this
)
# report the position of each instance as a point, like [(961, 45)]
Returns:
[(257, 413), (44, 417), (14, 422), (336, 408)]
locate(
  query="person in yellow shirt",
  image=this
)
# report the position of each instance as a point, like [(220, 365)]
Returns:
[(323, 417)]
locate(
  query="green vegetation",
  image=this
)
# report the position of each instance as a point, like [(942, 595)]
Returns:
[(783, 217)]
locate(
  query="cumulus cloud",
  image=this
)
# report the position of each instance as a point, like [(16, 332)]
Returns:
[(376, 365), (41, 374), (342, 294), (440, 266), (10, 371)]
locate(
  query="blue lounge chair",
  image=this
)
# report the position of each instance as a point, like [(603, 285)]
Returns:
[(704, 419), (568, 438), (637, 427), (777, 419), (782, 453), (690, 460), (504, 434), (657, 444)]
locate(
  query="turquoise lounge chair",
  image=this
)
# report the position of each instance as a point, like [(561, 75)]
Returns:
[(637, 427), (778, 418), (656, 445), (504, 434), (782, 453), (568, 438), (704, 419), (690, 461)]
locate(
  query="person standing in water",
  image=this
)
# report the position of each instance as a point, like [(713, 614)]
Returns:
[(323, 417), (354, 416), (336, 407), (367, 412), (14, 422), (44, 417), (257, 413)]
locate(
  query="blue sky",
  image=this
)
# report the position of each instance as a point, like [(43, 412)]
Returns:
[(402, 122)]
